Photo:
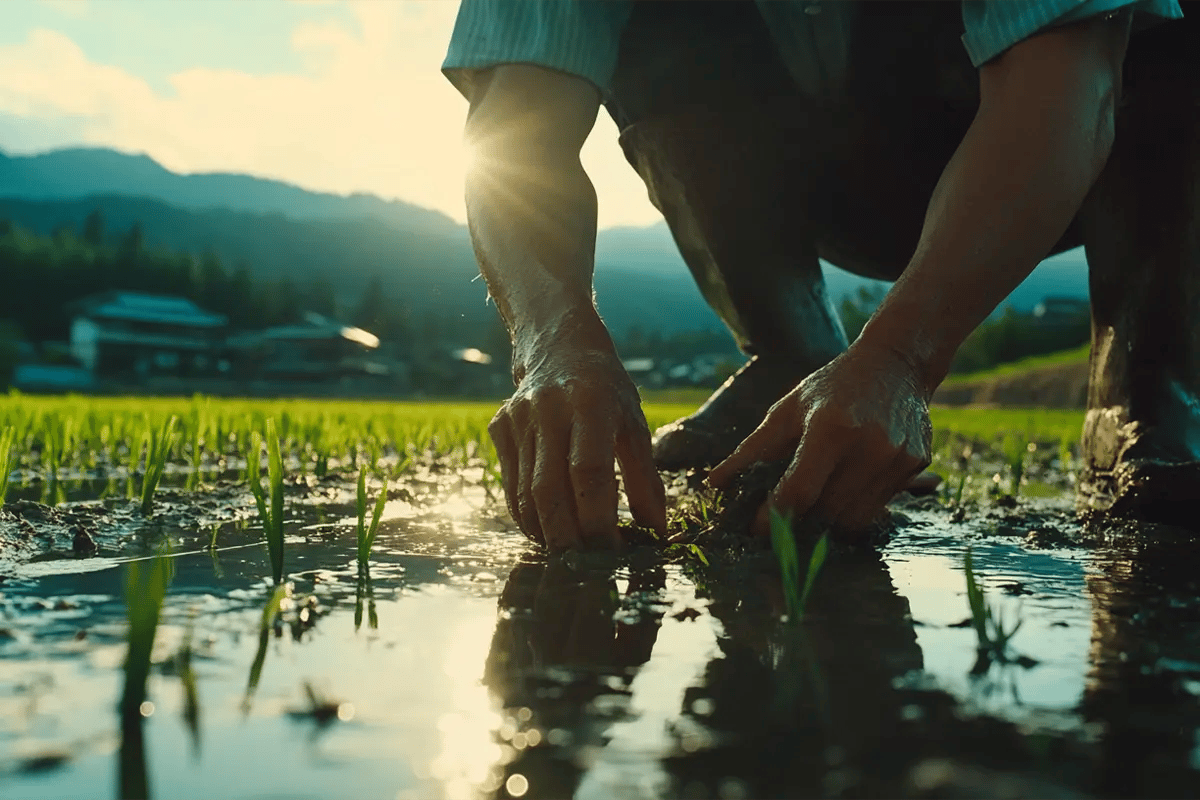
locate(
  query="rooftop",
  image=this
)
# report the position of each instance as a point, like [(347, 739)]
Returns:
[(139, 307), (314, 326)]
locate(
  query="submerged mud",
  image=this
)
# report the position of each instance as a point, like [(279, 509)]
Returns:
[(468, 664)]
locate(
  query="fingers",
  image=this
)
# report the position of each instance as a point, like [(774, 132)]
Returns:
[(551, 490), (848, 494), (527, 516), (557, 451), (804, 482), (893, 480), (594, 482), (643, 486), (559, 477), (775, 438), (501, 432), (853, 486)]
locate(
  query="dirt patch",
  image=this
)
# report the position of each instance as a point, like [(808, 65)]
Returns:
[(1056, 386)]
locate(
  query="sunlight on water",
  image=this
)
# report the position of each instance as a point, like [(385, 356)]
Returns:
[(469, 748), (457, 506), (628, 766)]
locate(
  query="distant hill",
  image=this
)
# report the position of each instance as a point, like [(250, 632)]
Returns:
[(81, 172), (423, 256)]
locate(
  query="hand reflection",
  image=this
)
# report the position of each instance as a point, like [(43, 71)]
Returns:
[(561, 624), (566, 647), (822, 691)]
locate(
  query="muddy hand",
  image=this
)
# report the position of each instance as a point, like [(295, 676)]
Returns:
[(574, 412), (857, 430)]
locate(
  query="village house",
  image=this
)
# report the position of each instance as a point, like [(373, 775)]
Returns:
[(132, 336), (316, 349)]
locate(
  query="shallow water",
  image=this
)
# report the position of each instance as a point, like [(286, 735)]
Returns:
[(489, 671)]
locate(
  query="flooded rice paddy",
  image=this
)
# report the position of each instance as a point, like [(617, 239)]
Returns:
[(467, 664)]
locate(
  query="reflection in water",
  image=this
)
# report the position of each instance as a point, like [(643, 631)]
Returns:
[(132, 782), (637, 684), (364, 589), (1145, 677), (562, 664), (780, 709), (807, 709)]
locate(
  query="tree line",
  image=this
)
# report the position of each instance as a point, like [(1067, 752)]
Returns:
[(45, 275)]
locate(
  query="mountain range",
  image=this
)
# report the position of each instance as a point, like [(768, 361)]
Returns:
[(422, 256)]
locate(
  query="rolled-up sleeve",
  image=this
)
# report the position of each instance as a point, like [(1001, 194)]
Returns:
[(579, 37), (992, 26)]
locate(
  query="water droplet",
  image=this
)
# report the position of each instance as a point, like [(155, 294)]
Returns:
[(516, 785)]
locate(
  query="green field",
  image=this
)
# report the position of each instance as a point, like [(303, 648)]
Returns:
[(132, 443), (1078, 355), (85, 431)]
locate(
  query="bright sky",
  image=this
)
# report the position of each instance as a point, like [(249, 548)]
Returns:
[(334, 95)]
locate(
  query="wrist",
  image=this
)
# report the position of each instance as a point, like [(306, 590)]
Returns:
[(559, 330), (923, 352)]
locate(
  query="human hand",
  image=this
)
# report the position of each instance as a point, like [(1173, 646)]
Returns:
[(857, 430), (575, 409)]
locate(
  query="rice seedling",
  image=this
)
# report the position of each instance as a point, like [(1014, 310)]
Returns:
[(54, 441), (993, 636), (686, 551), (7, 437), (270, 501), (195, 430), (136, 446), (1065, 461), (1014, 450), (783, 541), (366, 532), (159, 445)]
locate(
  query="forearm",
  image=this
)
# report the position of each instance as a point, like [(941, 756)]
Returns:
[(1008, 194), (533, 226), (531, 208)]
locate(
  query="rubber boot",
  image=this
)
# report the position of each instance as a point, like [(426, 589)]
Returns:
[(740, 228), (1141, 225)]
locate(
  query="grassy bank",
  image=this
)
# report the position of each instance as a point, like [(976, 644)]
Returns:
[(1078, 355)]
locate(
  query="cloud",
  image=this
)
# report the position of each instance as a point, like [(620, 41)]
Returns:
[(370, 111)]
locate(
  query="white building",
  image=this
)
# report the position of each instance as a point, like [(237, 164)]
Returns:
[(131, 334)]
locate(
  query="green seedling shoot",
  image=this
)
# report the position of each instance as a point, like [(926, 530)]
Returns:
[(270, 501), (1064, 454), (366, 533), (161, 443), (783, 541), (1014, 454), (992, 636), (52, 452), (7, 437), (196, 448)]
